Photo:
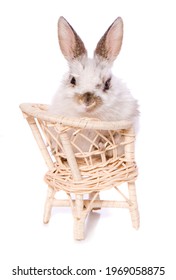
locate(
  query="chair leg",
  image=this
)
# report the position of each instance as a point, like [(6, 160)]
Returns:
[(79, 218), (48, 205), (133, 207), (78, 229)]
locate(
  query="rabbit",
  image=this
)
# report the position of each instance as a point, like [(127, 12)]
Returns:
[(89, 89)]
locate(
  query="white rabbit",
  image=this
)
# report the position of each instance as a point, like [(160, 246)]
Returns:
[(89, 89)]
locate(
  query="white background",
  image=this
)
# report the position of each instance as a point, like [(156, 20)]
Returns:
[(31, 67)]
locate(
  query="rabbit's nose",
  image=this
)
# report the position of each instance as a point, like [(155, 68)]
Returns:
[(88, 98)]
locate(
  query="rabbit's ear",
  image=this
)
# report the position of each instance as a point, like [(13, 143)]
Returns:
[(110, 44), (70, 43)]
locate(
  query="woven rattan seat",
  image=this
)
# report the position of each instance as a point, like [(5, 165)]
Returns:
[(84, 157)]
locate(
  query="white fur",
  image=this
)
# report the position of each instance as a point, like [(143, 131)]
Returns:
[(91, 74), (118, 103)]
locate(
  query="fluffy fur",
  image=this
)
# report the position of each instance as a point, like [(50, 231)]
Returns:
[(89, 89), (115, 103)]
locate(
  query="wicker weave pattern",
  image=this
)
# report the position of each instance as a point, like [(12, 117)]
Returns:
[(84, 156), (101, 178)]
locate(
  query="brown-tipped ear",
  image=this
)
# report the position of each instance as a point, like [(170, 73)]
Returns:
[(110, 44), (70, 43)]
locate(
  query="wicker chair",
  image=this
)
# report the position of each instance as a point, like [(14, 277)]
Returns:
[(82, 173)]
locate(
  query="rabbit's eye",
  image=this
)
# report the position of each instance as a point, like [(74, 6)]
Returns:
[(107, 84), (73, 81)]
